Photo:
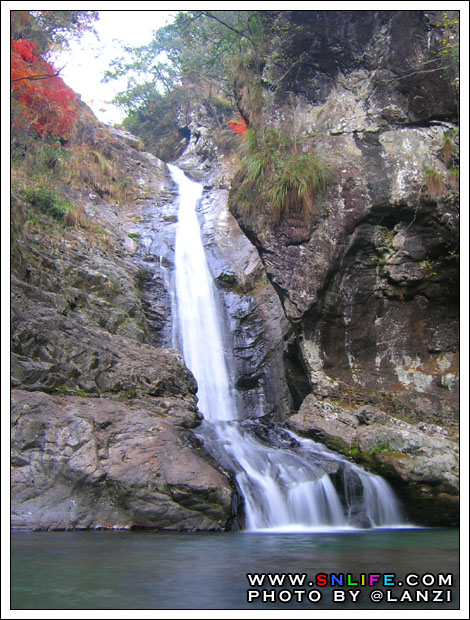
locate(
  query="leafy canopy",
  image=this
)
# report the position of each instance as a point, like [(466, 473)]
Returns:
[(41, 103), (200, 48), (50, 30)]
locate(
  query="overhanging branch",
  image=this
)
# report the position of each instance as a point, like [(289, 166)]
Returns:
[(43, 76)]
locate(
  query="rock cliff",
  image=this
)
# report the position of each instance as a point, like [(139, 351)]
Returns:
[(369, 280)]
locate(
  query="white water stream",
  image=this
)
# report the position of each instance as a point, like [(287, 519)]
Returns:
[(287, 485)]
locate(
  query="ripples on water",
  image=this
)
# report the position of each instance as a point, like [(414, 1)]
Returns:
[(165, 570)]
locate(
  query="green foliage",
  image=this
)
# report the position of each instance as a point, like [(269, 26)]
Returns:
[(453, 178), (442, 186), (216, 57), (450, 42), (51, 30), (450, 149), (67, 390), (155, 121), (201, 50), (379, 260), (428, 267), (381, 446), (48, 201), (273, 167), (39, 156), (303, 178), (354, 452)]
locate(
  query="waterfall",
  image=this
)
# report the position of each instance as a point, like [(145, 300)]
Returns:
[(287, 482), (198, 318)]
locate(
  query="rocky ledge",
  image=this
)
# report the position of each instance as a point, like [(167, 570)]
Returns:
[(420, 460)]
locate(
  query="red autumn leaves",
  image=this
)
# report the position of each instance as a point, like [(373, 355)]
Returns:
[(41, 100), (238, 125)]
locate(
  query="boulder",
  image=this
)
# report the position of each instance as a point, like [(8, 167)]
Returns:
[(82, 463)]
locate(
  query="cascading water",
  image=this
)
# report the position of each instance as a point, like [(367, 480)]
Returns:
[(288, 483)]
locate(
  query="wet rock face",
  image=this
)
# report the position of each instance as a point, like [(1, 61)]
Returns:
[(369, 277), (153, 252), (391, 47), (53, 352), (389, 319), (103, 463), (255, 322), (421, 460)]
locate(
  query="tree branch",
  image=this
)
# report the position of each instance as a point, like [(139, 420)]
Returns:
[(402, 77), (240, 34), (44, 76)]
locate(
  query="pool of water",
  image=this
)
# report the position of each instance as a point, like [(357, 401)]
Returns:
[(179, 570)]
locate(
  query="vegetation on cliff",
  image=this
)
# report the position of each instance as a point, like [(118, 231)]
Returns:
[(273, 167), (249, 60), (42, 105), (218, 57), (58, 149), (45, 124)]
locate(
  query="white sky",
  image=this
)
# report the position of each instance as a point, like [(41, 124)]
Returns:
[(83, 67)]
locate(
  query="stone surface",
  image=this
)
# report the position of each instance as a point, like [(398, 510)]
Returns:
[(368, 279), (255, 322), (53, 350), (104, 463), (367, 283), (101, 416)]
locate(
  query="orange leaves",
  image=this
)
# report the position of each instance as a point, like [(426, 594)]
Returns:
[(238, 125), (41, 100)]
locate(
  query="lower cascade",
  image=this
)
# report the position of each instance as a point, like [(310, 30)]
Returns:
[(288, 483)]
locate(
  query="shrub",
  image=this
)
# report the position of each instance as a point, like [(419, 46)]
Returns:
[(449, 147), (102, 174), (274, 166), (48, 201), (76, 218), (41, 101), (453, 178), (301, 181), (238, 125), (434, 182)]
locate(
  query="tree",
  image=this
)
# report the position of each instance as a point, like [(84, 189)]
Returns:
[(50, 30), (215, 53), (40, 100), (203, 49)]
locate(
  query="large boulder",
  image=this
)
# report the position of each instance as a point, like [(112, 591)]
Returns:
[(104, 463)]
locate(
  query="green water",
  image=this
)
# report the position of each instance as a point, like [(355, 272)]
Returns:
[(166, 570)]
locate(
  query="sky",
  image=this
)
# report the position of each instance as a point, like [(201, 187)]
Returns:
[(83, 66)]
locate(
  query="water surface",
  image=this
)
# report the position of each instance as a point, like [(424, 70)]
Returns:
[(179, 570)]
